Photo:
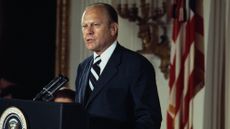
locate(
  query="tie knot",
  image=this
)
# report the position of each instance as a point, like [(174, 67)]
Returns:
[(97, 60)]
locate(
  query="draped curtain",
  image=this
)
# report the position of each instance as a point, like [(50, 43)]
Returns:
[(227, 68), (216, 115)]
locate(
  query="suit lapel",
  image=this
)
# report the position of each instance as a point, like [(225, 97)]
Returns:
[(84, 81), (108, 73)]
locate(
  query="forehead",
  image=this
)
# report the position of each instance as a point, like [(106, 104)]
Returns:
[(95, 12)]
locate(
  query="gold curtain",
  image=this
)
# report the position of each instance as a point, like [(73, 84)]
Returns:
[(62, 38)]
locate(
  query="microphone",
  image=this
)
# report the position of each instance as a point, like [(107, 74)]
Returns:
[(46, 94)]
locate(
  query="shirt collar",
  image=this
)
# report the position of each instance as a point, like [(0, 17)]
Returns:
[(108, 52), (105, 56)]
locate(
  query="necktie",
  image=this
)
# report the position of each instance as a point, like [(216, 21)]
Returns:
[(94, 73)]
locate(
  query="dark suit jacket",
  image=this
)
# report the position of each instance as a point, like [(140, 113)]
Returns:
[(125, 96)]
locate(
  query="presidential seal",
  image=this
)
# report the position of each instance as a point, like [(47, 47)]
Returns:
[(13, 118)]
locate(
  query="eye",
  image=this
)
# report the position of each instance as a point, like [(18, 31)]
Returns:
[(84, 26), (96, 24)]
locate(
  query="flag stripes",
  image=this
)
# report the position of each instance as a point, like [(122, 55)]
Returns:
[(186, 62)]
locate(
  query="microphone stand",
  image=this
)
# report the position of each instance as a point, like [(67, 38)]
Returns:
[(46, 94)]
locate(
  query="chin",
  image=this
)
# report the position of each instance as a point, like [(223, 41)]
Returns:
[(91, 48)]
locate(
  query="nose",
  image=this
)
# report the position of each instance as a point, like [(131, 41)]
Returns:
[(89, 30)]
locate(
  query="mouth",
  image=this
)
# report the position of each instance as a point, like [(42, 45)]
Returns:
[(88, 40)]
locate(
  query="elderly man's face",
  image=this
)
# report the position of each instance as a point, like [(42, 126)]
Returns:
[(98, 31)]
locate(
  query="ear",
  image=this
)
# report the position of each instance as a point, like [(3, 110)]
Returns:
[(114, 29)]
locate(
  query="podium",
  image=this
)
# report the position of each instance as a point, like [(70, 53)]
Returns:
[(28, 114)]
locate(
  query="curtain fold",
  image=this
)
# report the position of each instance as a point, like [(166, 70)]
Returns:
[(216, 74), (227, 68)]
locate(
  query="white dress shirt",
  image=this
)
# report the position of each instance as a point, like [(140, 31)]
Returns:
[(105, 56)]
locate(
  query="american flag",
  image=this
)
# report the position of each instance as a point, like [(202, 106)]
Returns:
[(186, 62)]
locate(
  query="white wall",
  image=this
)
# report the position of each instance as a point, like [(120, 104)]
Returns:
[(128, 38)]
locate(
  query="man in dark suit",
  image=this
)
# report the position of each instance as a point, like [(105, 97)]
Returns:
[(118, 89)]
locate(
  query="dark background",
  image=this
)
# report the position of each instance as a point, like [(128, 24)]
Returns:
[(27, 44)]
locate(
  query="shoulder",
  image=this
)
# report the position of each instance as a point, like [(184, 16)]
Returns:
[(85, 63), (133, 55), (134, 59)]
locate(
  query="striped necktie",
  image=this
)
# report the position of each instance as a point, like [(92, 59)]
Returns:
[(94, 73)]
